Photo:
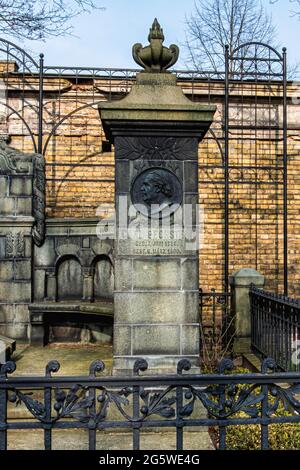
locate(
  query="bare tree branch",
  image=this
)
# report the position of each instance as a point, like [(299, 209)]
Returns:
[(39, 19), (293, 12), (215, 23)]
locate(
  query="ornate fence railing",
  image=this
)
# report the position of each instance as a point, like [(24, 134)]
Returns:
[(275, 328), (216, 324), (97, 403)]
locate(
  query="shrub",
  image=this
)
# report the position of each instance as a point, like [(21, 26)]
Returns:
[(284, 436)]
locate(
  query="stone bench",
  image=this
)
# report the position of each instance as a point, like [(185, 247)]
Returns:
[(7, 348), (43, 314)]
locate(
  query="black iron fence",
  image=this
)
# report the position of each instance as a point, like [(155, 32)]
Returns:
[(179, 402), (216, 325), (275, 327)]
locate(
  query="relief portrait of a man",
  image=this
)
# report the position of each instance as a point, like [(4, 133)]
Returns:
[(156, 189)]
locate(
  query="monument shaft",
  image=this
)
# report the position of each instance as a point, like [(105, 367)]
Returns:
[(156, 131)]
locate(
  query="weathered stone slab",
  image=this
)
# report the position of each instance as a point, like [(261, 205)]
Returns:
[(23, 206), (18, 331), (156, 307), (3, 186), (20, 186), (122, 341), (6, 270), (7, 206), (156, 339), (15, 292), (45, 255), (123, 274), (23, 270), (190, 339), (156, 274)]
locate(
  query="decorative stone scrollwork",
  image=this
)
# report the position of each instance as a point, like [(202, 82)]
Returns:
[(39, 185), (156, 148), (14, 162), (8, 161), (15, 245)]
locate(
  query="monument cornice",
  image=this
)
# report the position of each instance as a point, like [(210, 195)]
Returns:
[(157, 106)]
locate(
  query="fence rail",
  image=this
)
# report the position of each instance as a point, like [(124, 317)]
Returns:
[(58, 402), (275, 327), (216, 324)]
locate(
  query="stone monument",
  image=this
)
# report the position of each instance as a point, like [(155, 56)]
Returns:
[(156, 131)]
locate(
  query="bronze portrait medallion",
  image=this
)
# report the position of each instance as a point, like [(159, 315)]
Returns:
[(156, 192)]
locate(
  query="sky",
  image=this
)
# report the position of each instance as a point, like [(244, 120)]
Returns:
[(105, 38)]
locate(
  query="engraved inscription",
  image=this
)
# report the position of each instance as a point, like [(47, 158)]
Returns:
[(157, 247)]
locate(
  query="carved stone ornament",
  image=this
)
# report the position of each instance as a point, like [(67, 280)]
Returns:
[(155, 58), (156, 148), (156, 191), (15, 245), (39, 199), (12, 162), (9, 159)]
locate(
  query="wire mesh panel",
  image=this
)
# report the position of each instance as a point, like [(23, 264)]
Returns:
[(80, 168), (242, 160), (256, 162)]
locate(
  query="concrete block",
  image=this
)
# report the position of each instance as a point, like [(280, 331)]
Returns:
[(156, 274), (39, 284), (156, 339), (14, 313), (15, 331), (3, 186), (123, 274), (22, 270), (28, 247), (24, 206), (20, 186), (189, 274), (156, 307), (15, 292), (45, 255), (6, 270), (22, 313), (190, 339), (7, 206), (2, 247), (122, 340), (101, 334), (240, 283), (7, 313)]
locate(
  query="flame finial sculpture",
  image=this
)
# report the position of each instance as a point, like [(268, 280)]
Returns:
[(155, 58)]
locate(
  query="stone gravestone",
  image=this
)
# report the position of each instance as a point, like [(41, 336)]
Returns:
[(156, 131), (22, 223)]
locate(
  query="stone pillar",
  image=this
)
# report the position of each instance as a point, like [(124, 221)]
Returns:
[(51, 285), (156, 131), (22, 225), (87, 284), (240, 284), (16, 223)]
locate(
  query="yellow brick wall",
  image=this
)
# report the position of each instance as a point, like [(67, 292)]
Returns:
[(80, 176)]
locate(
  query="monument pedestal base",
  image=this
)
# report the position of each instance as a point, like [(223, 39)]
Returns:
[(157, 365)]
